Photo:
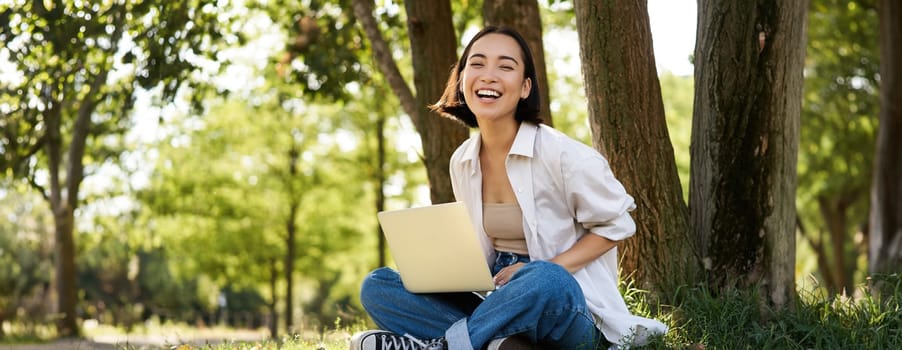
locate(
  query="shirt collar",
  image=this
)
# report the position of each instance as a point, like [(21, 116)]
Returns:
[(524, 144)]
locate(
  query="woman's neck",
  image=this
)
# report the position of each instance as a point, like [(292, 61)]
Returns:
[(498, 136)]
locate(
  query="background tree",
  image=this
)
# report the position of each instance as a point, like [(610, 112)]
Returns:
[(839, 119), (210, 188), (433, 47), (885, 254), (745, 134), (524, 16), (628, 126), (237, 178), (80, 64), (318, 37), (393, 166)]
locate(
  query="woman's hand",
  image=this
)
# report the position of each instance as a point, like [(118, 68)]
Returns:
[(503, 276)]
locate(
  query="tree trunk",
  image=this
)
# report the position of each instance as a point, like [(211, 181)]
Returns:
[(63, 200), (434, 50), (523, 16), (63, 218), (433, 45), (745, 134), (628, 126), (885, 251), (64, 205), (290, 239), (273, 311), (380, 184)]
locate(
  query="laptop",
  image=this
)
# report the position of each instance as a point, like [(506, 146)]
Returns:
[(436, 249)]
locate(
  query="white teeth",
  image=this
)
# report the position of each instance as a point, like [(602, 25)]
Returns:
[(491, 93)]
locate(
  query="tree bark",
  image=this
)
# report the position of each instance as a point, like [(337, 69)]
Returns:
[(885, 251), (628, 126), (745, 134), (433, 47), (523, 16)]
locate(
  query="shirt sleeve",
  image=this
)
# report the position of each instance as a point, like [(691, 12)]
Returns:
[(598, 200)]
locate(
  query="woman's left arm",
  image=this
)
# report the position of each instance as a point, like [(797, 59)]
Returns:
[(600, 204), (587, 249)]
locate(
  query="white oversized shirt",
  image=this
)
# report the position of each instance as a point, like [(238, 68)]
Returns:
[(566, 190)]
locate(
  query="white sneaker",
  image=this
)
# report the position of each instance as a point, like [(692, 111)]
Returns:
[(384, 340)]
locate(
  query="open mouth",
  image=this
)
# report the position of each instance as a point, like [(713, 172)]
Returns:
[(486, 93)]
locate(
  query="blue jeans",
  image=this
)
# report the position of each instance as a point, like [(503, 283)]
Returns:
[(541, 301)]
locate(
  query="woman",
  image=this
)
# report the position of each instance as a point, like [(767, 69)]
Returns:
[(548, 211)]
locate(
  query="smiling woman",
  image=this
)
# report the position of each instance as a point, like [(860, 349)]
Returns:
[(547, 211), (492, 65)]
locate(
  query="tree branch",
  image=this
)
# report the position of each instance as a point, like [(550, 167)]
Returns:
[(363, 10), (34, 184)]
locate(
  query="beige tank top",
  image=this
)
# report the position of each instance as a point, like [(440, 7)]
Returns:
[(503, 223)]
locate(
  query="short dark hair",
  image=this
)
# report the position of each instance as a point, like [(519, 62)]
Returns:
[(452, 104)]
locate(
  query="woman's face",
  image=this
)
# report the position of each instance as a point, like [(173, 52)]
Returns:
[(492, 80)]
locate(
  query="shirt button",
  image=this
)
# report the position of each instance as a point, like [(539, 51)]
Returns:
[(520, 190)]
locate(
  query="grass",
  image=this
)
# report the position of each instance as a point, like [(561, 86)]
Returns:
[(699, 320), (734, 320)]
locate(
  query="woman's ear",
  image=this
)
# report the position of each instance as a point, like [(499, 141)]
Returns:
[(527, 87)]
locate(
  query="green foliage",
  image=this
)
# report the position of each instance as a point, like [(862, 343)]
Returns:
[(25, 266), (467, 14), (77, 57), (677, 95), (839, 125), (566, 90), (124, 276), (324, 47), (559, 13)]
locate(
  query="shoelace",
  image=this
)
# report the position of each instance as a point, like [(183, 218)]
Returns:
[(394, 342)]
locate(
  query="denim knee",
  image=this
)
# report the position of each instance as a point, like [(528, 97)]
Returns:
[(376, 284)]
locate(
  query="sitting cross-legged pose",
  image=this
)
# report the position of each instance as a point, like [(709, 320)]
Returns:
[(548, 212)]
